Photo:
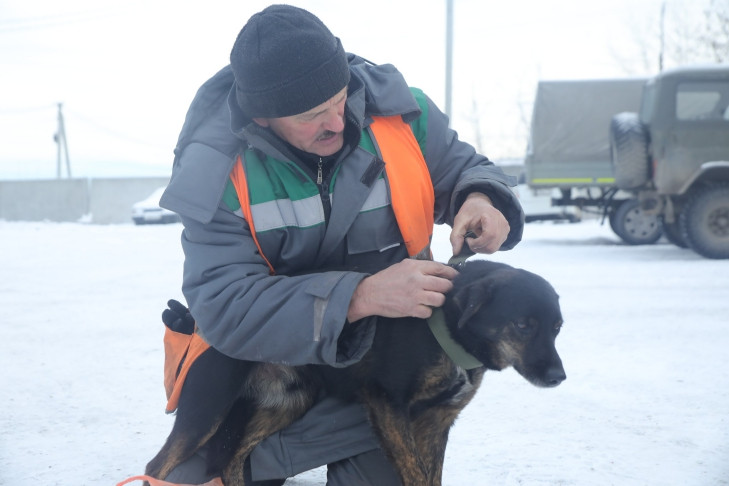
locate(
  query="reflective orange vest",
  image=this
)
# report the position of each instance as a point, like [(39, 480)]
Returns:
[(411, 189), (413, 202)]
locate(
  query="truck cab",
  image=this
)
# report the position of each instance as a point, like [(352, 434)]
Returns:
[(673, 156)]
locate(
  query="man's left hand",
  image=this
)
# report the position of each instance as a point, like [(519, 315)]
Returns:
[(479, 217)]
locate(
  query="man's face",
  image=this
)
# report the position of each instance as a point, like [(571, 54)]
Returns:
[(318, 131)]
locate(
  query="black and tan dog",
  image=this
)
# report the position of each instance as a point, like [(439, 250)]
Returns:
[(412, 389)]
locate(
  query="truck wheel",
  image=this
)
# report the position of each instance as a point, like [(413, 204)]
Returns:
[(629, 151), (705, 222), (672, 232), (613, 221), (634, 226)]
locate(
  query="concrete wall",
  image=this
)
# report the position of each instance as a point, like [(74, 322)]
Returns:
[(95, 200), (101, 201)]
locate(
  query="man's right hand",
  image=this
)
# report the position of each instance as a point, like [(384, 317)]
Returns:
[(410, 288)]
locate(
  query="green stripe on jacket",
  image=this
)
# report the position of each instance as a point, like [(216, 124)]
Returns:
[(283, 195)]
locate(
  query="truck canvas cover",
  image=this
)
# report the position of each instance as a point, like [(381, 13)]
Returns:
[(569, 143)]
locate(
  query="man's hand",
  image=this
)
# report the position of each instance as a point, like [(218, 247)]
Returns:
[(409, 288), (479, 216)]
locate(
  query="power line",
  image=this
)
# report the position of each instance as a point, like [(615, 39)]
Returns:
[(49, 21), (79, 117), (110, 131), (28, 109)]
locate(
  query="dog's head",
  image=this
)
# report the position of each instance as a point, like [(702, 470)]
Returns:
[(506, 316)]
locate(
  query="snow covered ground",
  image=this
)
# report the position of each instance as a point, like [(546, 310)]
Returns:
[(645, 342)]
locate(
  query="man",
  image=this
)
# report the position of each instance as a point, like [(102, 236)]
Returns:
[(300, 188)]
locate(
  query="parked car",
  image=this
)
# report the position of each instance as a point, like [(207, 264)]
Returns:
[(148, 210)]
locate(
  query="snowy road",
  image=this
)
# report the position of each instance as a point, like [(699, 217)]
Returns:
[(644, 345)]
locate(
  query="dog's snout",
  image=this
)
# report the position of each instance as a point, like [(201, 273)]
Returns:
[(555, 375)]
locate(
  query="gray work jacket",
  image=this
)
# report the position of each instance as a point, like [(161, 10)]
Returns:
[(298, 316)]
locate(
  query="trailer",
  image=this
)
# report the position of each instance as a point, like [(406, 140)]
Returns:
[(569, 152)]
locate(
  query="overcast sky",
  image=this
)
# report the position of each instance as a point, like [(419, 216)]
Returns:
[(126, 71)]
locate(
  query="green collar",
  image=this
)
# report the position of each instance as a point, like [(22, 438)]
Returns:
[(466, 251), (455, 351), (438, 327)]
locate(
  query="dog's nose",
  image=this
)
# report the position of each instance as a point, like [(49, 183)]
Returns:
[(554, 376)]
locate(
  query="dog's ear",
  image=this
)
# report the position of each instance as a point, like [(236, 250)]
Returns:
[(470, 298)]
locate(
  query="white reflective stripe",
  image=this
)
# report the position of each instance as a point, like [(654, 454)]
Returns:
[(320, 306), (388, 247), (283, 213), (379, 197)]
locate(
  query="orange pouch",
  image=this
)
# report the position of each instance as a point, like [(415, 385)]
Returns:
[(176, 346), (181, 350)]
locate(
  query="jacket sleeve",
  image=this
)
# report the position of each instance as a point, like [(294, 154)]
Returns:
[(248, 314), (457, 170)]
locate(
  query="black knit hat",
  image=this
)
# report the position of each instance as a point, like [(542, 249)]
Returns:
[(286, 62)]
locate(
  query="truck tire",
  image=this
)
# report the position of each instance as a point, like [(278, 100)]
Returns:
[(629, 151), (673, 233), (705, 222), (633, 225)]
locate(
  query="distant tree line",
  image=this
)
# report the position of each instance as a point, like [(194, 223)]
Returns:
[(683, 32)]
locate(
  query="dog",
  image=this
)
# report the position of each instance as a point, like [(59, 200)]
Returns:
[(501, 315)]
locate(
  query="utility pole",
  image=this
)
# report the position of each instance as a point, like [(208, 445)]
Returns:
[(449, 57), (663, 36), (60, 138)]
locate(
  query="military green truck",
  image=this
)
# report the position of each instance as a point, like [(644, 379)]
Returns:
[(673, 155), (650, 155)]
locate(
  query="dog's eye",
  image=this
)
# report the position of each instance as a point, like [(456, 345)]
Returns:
[(523, 325)]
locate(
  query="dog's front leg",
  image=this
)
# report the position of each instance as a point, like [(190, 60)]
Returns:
[(434, 411), (430, 434), (391, 425)]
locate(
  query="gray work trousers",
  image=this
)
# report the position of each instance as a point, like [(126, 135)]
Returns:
[(368, 469)]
